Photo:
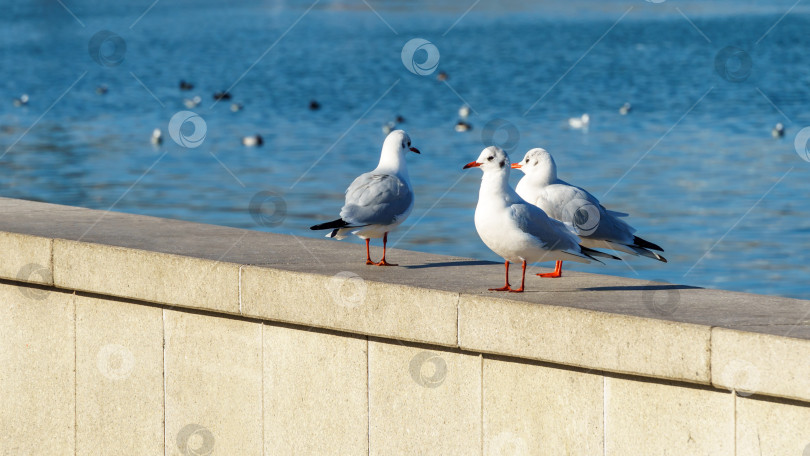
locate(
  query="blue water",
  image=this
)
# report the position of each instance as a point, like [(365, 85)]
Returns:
[(706, 180)]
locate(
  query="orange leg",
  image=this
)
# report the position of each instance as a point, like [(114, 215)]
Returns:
[(368, 254), (522, 279), (557, 271), (383, 262), (505, 287)]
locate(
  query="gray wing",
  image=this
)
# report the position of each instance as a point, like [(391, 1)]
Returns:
[(376, 199), (553, 234), (564, 200)]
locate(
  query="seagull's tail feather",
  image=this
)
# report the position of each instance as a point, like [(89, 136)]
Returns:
[(647, 253), (339, 228), (638, 242), (339, 223), (593, 253), (633, 249)]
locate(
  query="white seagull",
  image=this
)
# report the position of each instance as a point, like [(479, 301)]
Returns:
[(377, 201), (517, 230), (22, 101), (598, 227), (778, 130), (192, 103), (580, 122), (157, 137)]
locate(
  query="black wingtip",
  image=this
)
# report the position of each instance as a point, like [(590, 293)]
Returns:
[(597, 253), (646, 244), (339, 223)]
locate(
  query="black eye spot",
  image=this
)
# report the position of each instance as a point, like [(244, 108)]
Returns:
[(490, 158), (502, 163)]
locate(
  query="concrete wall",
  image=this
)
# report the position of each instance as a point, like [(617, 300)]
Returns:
[(108, 349)]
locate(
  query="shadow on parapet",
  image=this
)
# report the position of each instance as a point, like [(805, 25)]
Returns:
[(451, 263), (642, 287)]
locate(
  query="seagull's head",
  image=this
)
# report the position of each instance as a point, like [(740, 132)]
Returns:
[(537, 160), (492, 158), (400, 141)]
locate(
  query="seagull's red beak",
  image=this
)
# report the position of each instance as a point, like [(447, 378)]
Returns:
[(515, 165), (472, 164), (414, 149)]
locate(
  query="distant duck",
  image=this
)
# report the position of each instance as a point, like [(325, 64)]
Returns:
[(625, 109), (778, 130), (157, 137), (102, 89), (389, 127), (464, 111), (186, 85), (252, 141), (442, 76), (235, 107), (192, 103), (222, 96), (392, 125), (579, 122), (314, 105), (22, 101), (462, 126)]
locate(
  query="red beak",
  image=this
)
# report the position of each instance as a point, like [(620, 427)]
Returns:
[(414, 149), (515, 165), (472, 164)]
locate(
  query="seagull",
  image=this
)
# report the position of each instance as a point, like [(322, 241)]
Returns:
[(389, 127), (778, 130), (579, 122), (517, 230), (462, 126), (222, 96), (377, 201), (314, 105), (442, 76), (186, 85), (22, 101), (192, 103), (464, 111), (625, 109), (598, 227), (252, 141), (157, 137), (236, 107), (102, 89)]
